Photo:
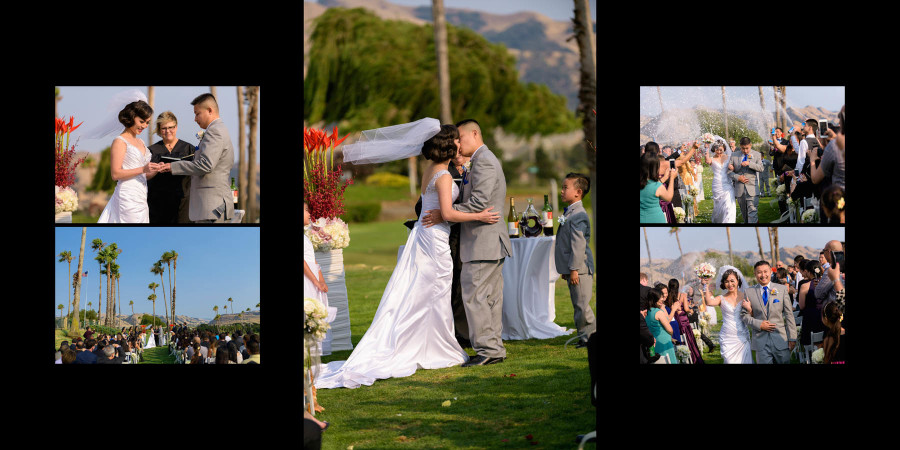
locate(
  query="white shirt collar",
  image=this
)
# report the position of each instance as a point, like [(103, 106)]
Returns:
[(211, 122), (476, 152)]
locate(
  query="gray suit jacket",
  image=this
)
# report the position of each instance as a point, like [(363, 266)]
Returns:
[(779, 313), (486, 187), (755, 160), (210, 170), (573, 251)]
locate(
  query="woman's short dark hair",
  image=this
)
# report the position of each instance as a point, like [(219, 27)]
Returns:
[(139, 108), (725, 276), (442, 146), (781, 273), (222, 356), (811, 265), (653, 297), (651, 147), (649, 168)]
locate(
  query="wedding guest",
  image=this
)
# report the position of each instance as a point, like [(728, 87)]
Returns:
[(778, 147), (197, 356), (112, 355), (88, 333), (681, 317), (233, 353), (830, 285), (671, 308), (809, 308), (253, 349), (168, 195), (668, 206), (652, 190), (788, 162), (85, 352), (835, 343), (312, 431), (659, 324), (68, 357), (645, 289), (573, 256), (222, 356), (647, 339), (58, 357), (832, 204)]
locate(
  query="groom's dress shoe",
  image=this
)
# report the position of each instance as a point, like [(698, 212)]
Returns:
[(479, 360)]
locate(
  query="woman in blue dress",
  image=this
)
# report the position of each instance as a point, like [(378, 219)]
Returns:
[(670, 312), (653, 190), (658, 323)]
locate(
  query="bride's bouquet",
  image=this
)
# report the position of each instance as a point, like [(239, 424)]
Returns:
[(328, 234), (679, 214), (708, 138), (705, 270)]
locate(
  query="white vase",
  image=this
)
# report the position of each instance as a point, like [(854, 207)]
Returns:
[(332, 265), (64, 217)]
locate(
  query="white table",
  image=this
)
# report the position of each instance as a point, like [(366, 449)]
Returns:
[(529, 279)]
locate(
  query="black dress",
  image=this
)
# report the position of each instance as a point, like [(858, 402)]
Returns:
[(168, 195), (812, 315)]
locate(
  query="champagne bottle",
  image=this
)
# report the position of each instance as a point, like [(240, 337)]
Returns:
[(513, 219), (234, 191), (547, 213), (531, 221)]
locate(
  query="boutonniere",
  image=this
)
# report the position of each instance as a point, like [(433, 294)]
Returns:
[(774, 291), (199, 138), (562, 220), (468, 165)]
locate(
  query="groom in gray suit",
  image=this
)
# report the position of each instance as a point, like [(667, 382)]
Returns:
[(745, 165), (772, 319), (482, 246), (211, 197)]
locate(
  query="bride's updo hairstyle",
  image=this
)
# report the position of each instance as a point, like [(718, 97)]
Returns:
[(725, 276), (139, 108), (442, 146), (718, 144)]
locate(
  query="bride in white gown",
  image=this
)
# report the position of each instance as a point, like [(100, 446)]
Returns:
[(413, 326), (722, 189), (734, 337)]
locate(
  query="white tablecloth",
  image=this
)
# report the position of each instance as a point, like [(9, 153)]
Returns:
[(529, 279)]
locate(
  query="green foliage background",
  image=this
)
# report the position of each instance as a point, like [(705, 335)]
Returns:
[(365, 72), (714, 122)]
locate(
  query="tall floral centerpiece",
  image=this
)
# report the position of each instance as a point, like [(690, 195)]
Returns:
[(314, 328), (323, 191), (66, 198)]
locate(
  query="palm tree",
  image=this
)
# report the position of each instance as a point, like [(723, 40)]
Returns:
[(724, 112), (131, 304), (242, 151), (728, 230), (217, 322), (777, 256), (152, 298), (257, 306), (67, 257), (762, 105), (113, 305), (216, 310), (675, 231), (85, 314), (587, 90), (649, 260), (777, 111), (97, 245), (174, 274), (762, 256), (771, 245), (252, 120), (784, 117), (112, 252), (60, 308), (77, 300), (440, 45), (232, 304), (158, 269)]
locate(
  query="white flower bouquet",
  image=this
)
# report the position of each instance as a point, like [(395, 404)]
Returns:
[(66, 200), (818, 356), (708, 138), (328, 234), (315, 323), (679, 214), (809, 216), (693, 190), (779, 192), (682, 352), (705, 270)]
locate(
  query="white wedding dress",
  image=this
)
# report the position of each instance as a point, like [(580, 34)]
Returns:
[(413, 326), (723, 193), (734, 338), (151, 342), (128, 203)]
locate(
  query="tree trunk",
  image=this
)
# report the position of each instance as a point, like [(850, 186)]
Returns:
[(252, 117), (411, 165), (242, 152), (725, 112), (777, 111), (164, 300), (440, 44), (762, 105), (69, 262), (777, 252), (784, 117), (762, 255), (212, 90), (150, 96), (77, 300), (679, 244), (649, 259), (659, 93), (771, 244), (730, 254), (587, 91)]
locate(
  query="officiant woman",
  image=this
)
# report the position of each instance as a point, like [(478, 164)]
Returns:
[(168, 194)]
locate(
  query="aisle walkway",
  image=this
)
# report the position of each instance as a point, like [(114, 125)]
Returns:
[(158, 355)]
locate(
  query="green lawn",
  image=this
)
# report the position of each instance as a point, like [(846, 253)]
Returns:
[(548, 397), (158, 355), (766, 211)]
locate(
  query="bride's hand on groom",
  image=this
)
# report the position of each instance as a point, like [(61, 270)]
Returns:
[(767, 326), (746, 305), (488, 216)]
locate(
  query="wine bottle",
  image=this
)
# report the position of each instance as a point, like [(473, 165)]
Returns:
[(234, 191), (513, 219), (547, 213), (531, 221)]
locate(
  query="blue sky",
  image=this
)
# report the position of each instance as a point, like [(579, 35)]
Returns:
[(214, 264), (557, 10), (88, 104), (663, 245), (739, 97)]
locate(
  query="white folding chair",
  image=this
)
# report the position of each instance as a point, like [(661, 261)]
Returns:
[(591, 435), (663, 359), (814, 339)]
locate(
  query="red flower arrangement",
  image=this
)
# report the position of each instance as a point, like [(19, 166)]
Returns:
[(322, 186), (65, 155)]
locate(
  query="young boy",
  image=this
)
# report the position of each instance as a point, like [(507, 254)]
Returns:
[(574, 260)]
